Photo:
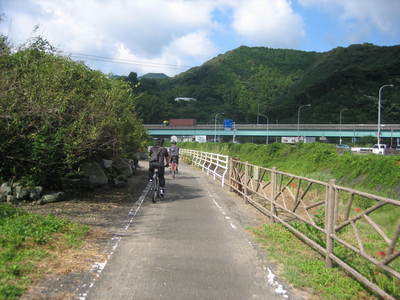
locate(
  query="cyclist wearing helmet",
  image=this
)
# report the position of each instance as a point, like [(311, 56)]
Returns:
[(174, 154), (158, 154)]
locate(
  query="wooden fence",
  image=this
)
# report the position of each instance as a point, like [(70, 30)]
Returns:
[(341, 218)]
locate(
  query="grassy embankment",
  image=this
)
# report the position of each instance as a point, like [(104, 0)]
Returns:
[(301, 266), (28, 239), (371, 173)]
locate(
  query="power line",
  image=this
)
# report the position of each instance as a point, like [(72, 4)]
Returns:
[(123, 61), (126, 63)]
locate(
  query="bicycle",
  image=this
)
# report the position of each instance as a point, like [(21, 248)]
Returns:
[(155, 187), (173, 166)]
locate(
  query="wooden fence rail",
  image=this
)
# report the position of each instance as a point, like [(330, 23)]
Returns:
[(343, 217)]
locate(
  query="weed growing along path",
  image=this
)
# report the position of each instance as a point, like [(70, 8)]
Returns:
[(27, 241), (305, 268)]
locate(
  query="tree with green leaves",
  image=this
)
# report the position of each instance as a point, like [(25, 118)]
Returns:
[(56, 113)]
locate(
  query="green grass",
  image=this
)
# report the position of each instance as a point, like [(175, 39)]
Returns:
[(304, 268), (23, 241), (372, 244), (371, 173)]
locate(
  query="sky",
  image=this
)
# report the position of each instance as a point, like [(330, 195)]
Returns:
[(171, 36)]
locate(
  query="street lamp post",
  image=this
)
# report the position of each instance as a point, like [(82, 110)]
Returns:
[(215, 126), (379, 112), (340, 124), (234, 133), (267, 126), (258, 112), (298, 120)]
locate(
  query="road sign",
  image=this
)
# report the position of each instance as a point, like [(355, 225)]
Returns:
[(228, 124)]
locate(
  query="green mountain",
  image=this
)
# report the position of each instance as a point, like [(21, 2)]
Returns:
[(154, 76), (275, 82), (349, 78)]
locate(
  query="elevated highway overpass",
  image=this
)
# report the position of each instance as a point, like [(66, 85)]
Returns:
[(278, 130)]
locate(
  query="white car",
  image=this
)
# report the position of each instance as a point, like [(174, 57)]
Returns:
[(379, 148)]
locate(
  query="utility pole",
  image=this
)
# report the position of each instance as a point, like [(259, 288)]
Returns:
[(379, 113), (298, 120), (234, 133), (340, 124)]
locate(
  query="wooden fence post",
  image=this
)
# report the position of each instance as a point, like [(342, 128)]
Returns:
[(246, 176), (256, 173), (330, 222), (230, 173), (274, 193), (336, 204)]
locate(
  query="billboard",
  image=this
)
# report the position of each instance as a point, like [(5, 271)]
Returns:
[(200, 138), (295, 139)]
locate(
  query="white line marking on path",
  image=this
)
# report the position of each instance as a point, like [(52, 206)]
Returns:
[(233, 225), (278, 287), (222, 211), (112, 244)]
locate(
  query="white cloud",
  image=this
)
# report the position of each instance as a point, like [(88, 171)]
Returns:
[(181, 32), (382, 15), (194, 44), (173, 56), (270, 23), (147, 28), (163, 31), (163, 64)]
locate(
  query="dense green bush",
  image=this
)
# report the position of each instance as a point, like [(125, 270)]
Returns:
[(55, 113), (374, 173)]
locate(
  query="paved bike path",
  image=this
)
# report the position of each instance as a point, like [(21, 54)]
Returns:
[(184, 247)]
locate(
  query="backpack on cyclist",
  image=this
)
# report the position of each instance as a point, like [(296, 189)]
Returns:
[(155, 154), (174, 150)]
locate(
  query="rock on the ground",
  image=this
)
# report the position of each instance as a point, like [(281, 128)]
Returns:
[(5, 188), (107, 163), (35, 192), (95, 173), (123, 166), (10, 199), (21, 192), (51, 198)]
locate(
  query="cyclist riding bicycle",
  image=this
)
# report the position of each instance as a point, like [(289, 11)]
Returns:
[(158, 154), (174, 154)]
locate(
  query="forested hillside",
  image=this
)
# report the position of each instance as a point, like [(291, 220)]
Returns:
[(276, 81), (154, 76), (349, 78)]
